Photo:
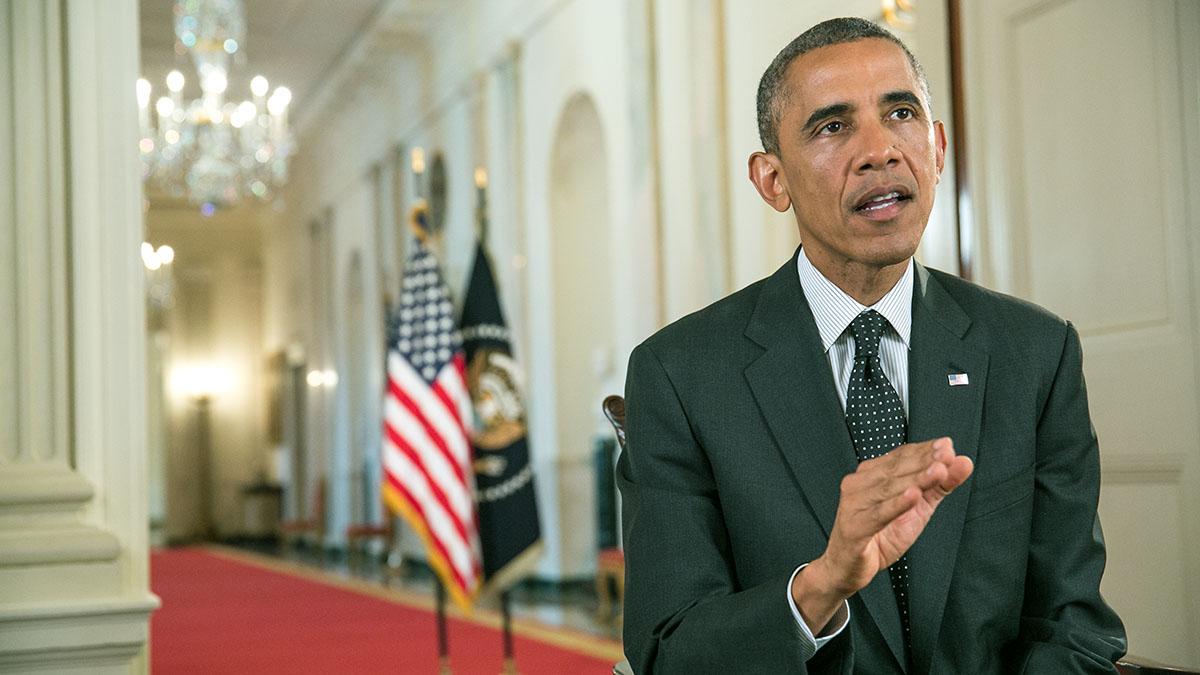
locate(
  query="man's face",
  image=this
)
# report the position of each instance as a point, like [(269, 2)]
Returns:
[(859, 155)]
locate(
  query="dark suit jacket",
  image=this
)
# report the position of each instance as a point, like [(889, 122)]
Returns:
[(737, 445)]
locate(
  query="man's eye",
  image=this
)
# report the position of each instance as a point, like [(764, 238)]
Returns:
[(903, 114), (831, 128)]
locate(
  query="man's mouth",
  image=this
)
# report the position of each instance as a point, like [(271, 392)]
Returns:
[(883, 201)]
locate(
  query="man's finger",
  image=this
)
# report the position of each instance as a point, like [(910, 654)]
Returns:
[(955, 473), (905, 461), (961, 467), (924, 449), (879, 491), (912, 464)]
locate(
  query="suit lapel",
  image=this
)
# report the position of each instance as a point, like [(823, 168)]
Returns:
[(939, 409), (793, 387)]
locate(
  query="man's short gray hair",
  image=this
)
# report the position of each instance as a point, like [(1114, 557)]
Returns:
[(772, 94)]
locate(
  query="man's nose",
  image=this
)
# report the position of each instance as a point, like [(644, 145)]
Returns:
[(876, 147)]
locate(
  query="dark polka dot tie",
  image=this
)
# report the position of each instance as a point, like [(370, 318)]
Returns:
[(877, 423)]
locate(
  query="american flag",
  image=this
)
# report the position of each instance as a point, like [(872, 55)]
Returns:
[(958, 379), (427, 452)]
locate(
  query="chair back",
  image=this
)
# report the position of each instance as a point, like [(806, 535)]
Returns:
[(614, 410)]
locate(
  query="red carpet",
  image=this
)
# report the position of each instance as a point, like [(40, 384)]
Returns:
[(230, 613)]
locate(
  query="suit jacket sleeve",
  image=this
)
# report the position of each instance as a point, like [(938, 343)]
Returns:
[(1066, 627), (684, 612)]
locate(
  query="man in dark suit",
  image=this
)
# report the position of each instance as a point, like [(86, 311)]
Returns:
[(772, 525)]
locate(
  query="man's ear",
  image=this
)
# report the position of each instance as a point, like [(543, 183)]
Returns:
[(939, 141), (767, 176)]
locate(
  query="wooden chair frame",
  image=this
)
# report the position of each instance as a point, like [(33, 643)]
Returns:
[(357, 532), (313, 524)]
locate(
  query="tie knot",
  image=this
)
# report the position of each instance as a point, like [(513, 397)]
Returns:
[(867, 328)]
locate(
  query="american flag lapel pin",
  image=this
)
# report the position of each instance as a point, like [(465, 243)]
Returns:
[(958, 379)]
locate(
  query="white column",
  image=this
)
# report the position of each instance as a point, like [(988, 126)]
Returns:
[(73, 532)]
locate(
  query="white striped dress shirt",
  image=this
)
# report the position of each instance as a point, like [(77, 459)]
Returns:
[(833, 311)]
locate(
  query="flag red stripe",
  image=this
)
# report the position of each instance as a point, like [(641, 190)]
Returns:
[(433, 521), (399, 424), (437, 542), (459, 362), (445, 399), (435, 486), (460, 365), (439, 442), (447, 396), (450, 380)]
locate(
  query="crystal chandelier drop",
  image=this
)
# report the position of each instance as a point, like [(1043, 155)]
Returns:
[(210, 150)]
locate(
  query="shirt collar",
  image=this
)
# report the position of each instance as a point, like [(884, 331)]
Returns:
[(833, 310)]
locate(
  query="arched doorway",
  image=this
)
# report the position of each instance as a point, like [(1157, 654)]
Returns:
[(582, 301)]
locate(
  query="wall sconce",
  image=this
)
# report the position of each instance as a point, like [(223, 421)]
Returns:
[(160, 283), (202, 381), (155, 258), (319, 378)]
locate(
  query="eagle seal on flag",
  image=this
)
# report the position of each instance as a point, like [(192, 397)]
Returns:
[(509, 530)]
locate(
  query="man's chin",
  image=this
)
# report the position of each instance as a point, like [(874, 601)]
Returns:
[(889, 256), (897, 247)]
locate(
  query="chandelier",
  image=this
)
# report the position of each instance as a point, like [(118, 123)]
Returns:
[(214, 151)]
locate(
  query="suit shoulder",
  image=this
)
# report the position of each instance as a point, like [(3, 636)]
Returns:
[(994, 307), (1013, 330)]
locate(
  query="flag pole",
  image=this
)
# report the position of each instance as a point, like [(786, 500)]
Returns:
[(442, 638), (417, 222), (510, 661)]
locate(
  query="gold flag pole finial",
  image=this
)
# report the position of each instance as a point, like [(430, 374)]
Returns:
[(481, 216), (418, 220)]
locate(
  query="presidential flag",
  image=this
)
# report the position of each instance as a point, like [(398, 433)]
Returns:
[(427, 452), (509, 531)]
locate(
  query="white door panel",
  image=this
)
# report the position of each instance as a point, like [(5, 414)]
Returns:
[(1083, 122)]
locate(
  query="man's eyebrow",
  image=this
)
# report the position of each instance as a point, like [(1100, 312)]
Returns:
[(835, 109), (831, 110), (901, 96)]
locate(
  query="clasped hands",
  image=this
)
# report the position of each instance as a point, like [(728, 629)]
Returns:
[(884, 507)]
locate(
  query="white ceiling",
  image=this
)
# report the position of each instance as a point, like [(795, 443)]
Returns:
[(293, 43)]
